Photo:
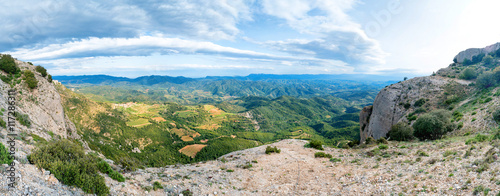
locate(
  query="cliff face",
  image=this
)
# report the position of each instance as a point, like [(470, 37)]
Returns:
[(469, 53), (395, 102), (42, 105)]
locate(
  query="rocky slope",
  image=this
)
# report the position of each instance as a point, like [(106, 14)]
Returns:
[(396, 102), (469, 53), (48, 120)]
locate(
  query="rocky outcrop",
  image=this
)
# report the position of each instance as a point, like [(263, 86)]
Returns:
[(396, 101), (469, 53)]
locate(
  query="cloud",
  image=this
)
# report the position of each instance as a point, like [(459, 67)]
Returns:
[(338, 36), (32, 21)]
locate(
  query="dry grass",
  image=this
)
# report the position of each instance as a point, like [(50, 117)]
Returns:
[(187, 138), (191, 150), (159, 119)]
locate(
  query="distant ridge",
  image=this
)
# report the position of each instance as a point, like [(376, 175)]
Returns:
[(156, 79)]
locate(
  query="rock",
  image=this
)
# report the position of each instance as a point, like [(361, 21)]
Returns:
[(469, 53), (52, 180), (364, 120)]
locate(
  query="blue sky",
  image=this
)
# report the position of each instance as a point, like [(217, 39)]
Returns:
[(240, 37)]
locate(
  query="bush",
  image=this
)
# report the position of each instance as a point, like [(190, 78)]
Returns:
[(382, 147), (270, 150), (419, 102), (401, 132), (23, 119), (6, 79), (157, 185), (187, 192), (5, 157), (432, 125), (128, 163), (30, 79), (2, 123), (49, 78), (41, 70), (486, 80), (8, 64), (104, 167), (489, 61), (71, 166), (382, 140), (468, 74), (335, 160), (316, 144), (322, 154)]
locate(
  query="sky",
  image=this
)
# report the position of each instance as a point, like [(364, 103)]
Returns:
[(197, 38)]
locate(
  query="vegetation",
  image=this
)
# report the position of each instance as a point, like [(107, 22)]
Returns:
[(5, 157), (486, 80), (104, 167), (315, 144), (8, 64), (29, 78), (23, 119), (433, 125), (270, 150), (3, 123), (157, 185), (322, 154), (468, 74), (41, 70), (401, 132), (70, 165)]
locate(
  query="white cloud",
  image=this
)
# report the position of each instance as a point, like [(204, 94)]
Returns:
[(339, 37)]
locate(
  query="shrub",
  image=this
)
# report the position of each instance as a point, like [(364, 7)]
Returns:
[(6, 79), (71, 166), (187, 192), (489, 61), (41, 70), (49, 78), (382, 140), (353, 143), (30, 79), (407, 105), (401, 132), (270, 150), (316, 144), (23, 119), (5, 157), (8, 64), (322, 154), (3, 123), (382, 146), (432, 125), (419, 102), (104, 167), (335, 160), (157, 185), (468, 74), (486, 80), (370, 140), (128, 163)]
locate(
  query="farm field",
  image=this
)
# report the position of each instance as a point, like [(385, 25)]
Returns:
[(192, 150)]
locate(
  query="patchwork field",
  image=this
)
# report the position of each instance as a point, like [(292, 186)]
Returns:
[(191, 150)]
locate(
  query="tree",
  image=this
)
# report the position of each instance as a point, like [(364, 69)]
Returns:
[(49, 78), (489, 61), (41, 70), (432, 125), (401, 132), (30, 79), (8, 64), (468, 74), (486, 80), (405, 78)]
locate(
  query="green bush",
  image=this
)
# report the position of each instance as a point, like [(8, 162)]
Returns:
[(315, 144), (30, 79), (2, 123), (49, 78), (489, 61), (70, 165), (157, 185), (41, 70), (104, 167), (5, 157), (401, 132), (382, 147), (419, 102), (8, 64), (6, 79), (468, 74), (335, 160), (128, 163), (486, 80), (23, 119), (432, 125), (187, 192), (322, 154), (382, 140), (270, 150)]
